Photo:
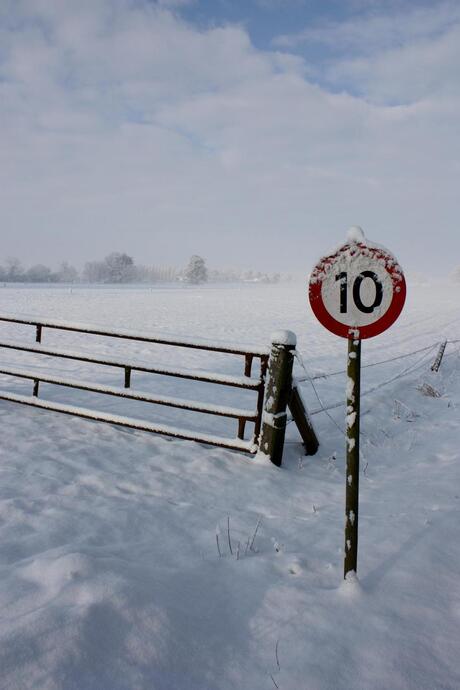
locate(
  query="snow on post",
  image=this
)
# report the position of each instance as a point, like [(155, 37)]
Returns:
[(278, 391), (356, 234)]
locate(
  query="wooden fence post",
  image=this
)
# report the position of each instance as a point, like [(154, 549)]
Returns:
[(437, 362), (277, 395), (247, 372), (36, 385)]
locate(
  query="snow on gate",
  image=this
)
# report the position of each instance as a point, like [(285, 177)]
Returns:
[(247, 381)]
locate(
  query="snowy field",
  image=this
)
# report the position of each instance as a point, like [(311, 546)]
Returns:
[(110, 574)]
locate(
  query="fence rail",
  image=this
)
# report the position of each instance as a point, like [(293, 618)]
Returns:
[(139, 424), (195, 406), (192, 374), (245, 381), (196, 344)]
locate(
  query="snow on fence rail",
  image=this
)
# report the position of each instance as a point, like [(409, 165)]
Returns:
[(245, 381), (194, 343), (268, 417)]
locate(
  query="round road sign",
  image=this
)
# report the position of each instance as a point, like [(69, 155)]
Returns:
[(359, 291)]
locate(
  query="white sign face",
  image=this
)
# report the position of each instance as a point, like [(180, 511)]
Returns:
[(359, 291)]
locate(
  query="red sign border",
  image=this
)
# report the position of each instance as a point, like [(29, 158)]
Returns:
[(373, 329)]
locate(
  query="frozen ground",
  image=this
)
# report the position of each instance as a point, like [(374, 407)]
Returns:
[(110, 575)]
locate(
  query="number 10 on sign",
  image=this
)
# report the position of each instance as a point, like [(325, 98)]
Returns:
[(356, 293)]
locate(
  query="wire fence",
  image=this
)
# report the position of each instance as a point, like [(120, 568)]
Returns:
[(420, 362), (327, 375)]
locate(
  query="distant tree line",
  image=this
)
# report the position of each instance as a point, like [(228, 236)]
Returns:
[(120, 268), (14, 272)]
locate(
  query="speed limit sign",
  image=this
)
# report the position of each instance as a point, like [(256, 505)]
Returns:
[(358, 291)]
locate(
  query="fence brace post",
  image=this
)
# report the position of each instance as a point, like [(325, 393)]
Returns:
[(277, 395), (437, 362), (303, 421)]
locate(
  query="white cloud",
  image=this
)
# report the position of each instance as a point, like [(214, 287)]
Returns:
[(403, 56), (425, 70), (123, 127)]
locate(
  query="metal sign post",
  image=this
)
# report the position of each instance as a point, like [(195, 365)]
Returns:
[(352, 480), (356, 293)]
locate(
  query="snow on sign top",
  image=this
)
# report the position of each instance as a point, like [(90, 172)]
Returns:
[(358, 291)]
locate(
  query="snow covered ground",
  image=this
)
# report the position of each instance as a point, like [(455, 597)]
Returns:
[(110, 574)]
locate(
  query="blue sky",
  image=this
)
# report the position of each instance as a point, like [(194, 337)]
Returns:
[(265, 20), (177, 127)]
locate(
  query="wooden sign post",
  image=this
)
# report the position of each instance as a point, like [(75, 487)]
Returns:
[(357, 292)]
